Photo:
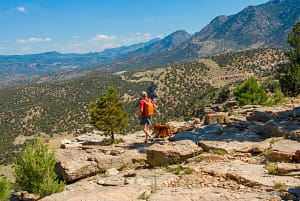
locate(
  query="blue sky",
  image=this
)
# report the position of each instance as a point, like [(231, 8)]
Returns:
[(82, 26)]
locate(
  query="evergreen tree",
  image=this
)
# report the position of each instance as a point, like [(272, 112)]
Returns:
[(5, 189), (251, 93), (34, 170), (107, 113), (289, 74)]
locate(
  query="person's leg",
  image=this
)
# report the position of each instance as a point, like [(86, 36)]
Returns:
[(146, 131), (145, 128)]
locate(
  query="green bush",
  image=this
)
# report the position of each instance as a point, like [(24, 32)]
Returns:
[(5, 189), (251, 93), (278, 97), (34, 170), (289, 73)]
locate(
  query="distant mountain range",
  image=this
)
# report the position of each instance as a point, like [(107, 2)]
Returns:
[(262, 26)]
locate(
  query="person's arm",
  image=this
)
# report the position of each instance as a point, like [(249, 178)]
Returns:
[(141, 108), (154, 105)]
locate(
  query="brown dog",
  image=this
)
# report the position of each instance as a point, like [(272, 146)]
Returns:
[(163, 130)]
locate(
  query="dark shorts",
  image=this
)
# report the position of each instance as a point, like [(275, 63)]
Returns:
[(146, 120)]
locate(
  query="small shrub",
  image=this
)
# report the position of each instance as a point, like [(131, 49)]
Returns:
[(278, 96), (110, 141), (278, 185), (251, 93), (34, 170), (271, 168), (5, 189), (179, 169), (144, 196), (268, 151), (217, 151), (200, 158), (188, 170)]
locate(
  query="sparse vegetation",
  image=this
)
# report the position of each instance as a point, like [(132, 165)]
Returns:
[(144, 196), (218, 151), (271, 168), (278, 185), (180, 170), (188, 170)]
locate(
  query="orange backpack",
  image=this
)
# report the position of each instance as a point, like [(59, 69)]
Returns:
[(148, 108)]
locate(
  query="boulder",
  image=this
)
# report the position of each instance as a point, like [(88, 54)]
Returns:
[(210, 129), (185, 135), (283, 150), (74, 164), (172, 152), (284, 168), (260, 116), (182, 126), (287, 129), (297, 156), (216, 118)]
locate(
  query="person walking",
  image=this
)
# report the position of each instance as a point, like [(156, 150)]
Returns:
[(147, 106)]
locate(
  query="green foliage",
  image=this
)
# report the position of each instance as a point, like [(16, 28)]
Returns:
[(5, 189), (188, 170), (278, 185), (179, 170), (289, 79), (109, 141), (144, 196), (218, 151), (271, 168), (289, 74), (34, 170), (107, 113), (278, 97), (251, 93)]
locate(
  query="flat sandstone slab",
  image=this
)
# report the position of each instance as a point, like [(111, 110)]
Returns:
[(248, 174)]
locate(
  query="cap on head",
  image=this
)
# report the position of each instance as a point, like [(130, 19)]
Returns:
[(144, 94)]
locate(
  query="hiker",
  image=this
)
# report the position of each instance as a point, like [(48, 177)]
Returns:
[(147, 106)]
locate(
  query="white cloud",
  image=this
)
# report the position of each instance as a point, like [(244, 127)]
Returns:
[(102, 37), (34, 40), (22, 9)]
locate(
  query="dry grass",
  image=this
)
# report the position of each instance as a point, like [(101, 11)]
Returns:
[(55, 141)]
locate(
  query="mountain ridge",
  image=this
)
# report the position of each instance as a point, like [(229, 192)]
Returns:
[(262, 26)]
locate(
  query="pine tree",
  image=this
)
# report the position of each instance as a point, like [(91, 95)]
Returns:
[(107, 113), (34, 170), (5, 189), (251, 93), (289, 74)]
